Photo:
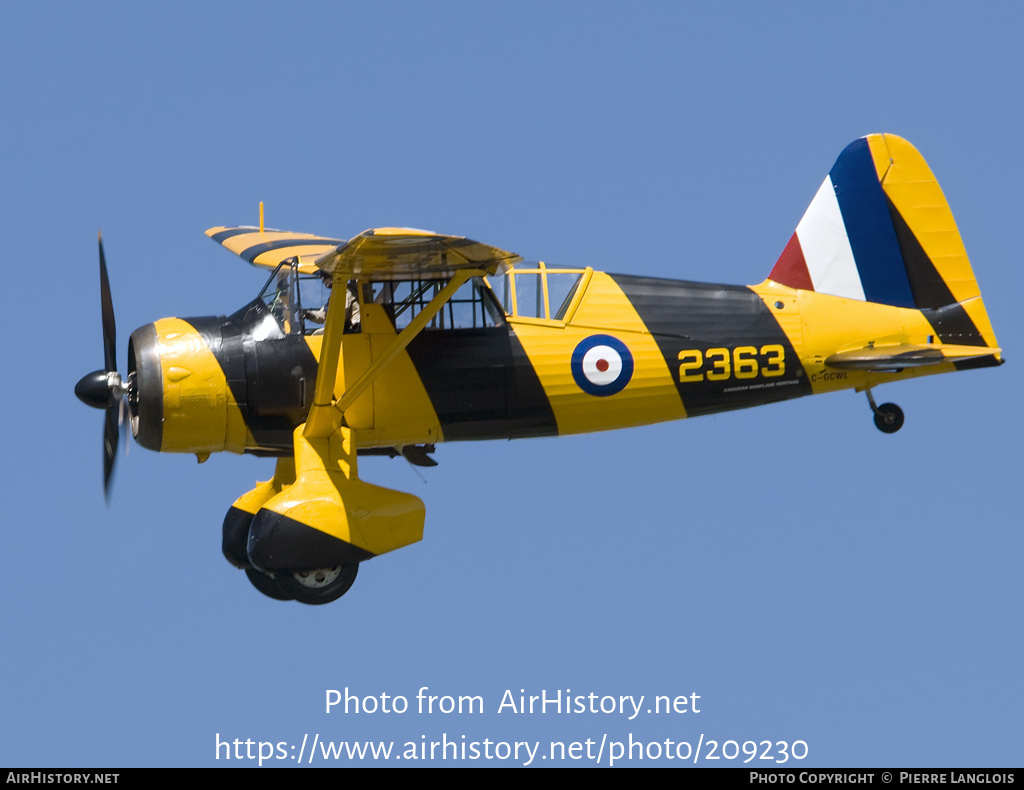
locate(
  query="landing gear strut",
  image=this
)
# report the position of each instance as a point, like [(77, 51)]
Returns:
[(888, 416)]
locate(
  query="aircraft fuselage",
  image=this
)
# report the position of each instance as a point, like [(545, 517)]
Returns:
[(627, 351)]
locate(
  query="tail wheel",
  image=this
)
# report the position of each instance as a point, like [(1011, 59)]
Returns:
[(888, 418), (319, 585)]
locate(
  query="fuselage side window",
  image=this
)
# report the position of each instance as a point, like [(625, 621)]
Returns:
[(536, 290), (472, 307)]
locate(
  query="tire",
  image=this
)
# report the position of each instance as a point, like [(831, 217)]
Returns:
[(235, 536), (319, 585), (888, 418), (267, 585)]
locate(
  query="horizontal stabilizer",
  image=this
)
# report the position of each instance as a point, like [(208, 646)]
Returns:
[(904, 355)]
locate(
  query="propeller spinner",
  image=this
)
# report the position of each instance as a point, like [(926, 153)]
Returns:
[(103, 389)]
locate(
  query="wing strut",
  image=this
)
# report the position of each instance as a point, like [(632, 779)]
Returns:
[(325, 416)]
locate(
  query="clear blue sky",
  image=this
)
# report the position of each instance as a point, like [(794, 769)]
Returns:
[(809, 578)]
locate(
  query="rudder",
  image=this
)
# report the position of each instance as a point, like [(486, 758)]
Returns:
[(880, 230)]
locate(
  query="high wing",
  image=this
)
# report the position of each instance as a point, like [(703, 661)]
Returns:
[(270, 247), (382, 253), (410, 254)]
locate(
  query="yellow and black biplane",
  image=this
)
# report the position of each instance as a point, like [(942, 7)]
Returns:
[(398, 339)]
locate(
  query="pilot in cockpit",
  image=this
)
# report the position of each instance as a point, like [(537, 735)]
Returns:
[(352, 316)]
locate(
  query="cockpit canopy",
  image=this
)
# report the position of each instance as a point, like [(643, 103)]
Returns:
[(296, 302)]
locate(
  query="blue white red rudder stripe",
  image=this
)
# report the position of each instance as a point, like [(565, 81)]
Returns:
[(846, 243)]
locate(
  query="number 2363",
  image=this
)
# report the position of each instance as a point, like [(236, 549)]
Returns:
[(721, 364)]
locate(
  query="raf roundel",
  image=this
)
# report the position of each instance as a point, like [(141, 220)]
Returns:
[(602, 365)]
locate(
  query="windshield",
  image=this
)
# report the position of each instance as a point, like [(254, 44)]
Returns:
[(297, 301)]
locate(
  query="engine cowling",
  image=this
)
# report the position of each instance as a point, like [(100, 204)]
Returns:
[(202, 385), (179, 393)]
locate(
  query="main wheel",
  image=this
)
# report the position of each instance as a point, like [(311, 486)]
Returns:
[(235, 535), (319, 585), (888, 418), (267, 585)]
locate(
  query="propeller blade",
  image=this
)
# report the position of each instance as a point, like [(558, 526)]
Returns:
[(111, 434), (103, 389), (122, 410), (107, 306)]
